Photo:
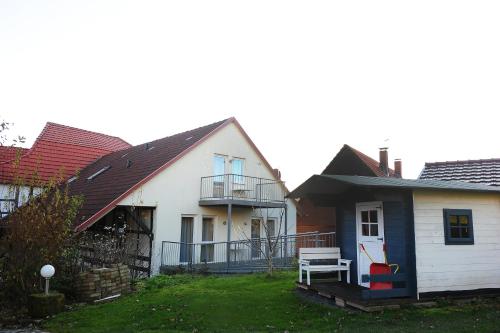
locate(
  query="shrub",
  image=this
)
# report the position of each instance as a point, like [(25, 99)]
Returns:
[(36, 234)]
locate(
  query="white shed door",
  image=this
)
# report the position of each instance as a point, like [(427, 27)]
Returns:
[(370, 233)]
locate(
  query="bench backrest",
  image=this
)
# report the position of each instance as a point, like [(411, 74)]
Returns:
[(311, 253)]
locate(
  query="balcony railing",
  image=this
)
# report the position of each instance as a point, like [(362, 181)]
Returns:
[(243, 188), (244, 255)]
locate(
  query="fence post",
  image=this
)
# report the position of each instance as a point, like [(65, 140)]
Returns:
[(229, 225), (286, 233)]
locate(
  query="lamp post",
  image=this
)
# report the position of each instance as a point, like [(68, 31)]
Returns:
[(47, 272)]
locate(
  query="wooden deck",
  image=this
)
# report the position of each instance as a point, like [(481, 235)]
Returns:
[(349, 295)]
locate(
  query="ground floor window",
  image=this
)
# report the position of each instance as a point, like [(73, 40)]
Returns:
[(458, 227)]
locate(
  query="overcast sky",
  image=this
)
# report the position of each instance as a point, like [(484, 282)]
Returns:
[(302, 77)]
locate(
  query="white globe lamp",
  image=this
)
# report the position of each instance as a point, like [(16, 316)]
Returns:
[(47, 272)]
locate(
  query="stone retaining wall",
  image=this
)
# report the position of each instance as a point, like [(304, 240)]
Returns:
[(99, 283)]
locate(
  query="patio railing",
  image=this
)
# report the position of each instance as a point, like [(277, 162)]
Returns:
[(241, 255), (238, 187)]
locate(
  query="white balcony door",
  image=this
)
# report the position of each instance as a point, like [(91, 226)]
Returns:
[(370, 234), (207, 237), (186, 247), (255, 237), (237, 170), (219, 170)]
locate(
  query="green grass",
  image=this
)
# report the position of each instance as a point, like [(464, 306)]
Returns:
[(256, 303)]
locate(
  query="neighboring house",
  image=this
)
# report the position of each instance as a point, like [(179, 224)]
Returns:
[(348, 161), (485, 171), (181, 198), (59, 151), (444, 235)]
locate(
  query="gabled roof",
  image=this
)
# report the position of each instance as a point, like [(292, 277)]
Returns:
[(338, 184), (145, 161), (350, 161), (60, 148), (485, 171)]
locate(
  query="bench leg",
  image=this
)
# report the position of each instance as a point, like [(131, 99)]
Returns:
[(339, 276), (348, 276), (308, 277), (300, 274)]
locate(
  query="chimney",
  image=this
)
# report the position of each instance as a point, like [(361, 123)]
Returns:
[(277, 173), (397, 168), (384, 161)]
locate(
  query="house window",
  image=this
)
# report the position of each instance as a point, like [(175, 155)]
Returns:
[(237, 164), (458, 227)]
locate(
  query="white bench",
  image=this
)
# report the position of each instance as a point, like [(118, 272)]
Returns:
[(321, 253)]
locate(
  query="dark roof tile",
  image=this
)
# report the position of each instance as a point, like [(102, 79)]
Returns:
[(484, 171)]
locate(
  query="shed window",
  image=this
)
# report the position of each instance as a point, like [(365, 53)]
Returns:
[(458, 227)]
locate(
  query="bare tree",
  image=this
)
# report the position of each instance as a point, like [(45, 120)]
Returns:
[(272, 221)]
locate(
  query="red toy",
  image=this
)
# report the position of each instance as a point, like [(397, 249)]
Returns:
[(379, 268)]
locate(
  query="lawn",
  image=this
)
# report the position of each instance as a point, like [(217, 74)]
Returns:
[(256, 303)]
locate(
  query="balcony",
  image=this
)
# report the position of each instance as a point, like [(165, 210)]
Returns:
[(241, 190), (240, 256)]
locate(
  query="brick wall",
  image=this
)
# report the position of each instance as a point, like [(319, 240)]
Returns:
[(99, 283)]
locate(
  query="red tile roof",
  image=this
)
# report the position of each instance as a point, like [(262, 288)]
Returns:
[(484, 171), (350, 161), (8, 153), (60, 149)]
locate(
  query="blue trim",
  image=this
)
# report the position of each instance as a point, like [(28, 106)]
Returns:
[(398, 277), (385, 293)]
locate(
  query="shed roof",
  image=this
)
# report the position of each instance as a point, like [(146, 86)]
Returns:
[(337, 184)]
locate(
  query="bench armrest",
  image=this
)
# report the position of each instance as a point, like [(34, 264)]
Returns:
[(303, 262), (346, 262)]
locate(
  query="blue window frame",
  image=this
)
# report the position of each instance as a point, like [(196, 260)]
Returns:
[(458, 228)]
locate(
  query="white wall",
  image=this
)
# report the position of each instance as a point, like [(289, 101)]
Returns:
[(443, 267), (176, 192)]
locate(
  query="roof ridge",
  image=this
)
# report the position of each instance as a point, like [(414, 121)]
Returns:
[(184, 132), (76, 128), (464, 161)]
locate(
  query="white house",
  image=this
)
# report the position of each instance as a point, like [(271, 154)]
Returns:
[(184, 196)]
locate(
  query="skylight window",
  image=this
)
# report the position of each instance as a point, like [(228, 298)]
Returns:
[(72, 179), (98, 172), (189, 138)]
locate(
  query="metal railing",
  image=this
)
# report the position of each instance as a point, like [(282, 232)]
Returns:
[(244, 255), (238, 187)]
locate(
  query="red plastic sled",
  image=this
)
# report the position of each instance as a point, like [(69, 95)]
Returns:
[(381, 269)]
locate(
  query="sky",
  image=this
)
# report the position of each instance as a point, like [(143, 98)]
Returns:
[(302, 77)]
